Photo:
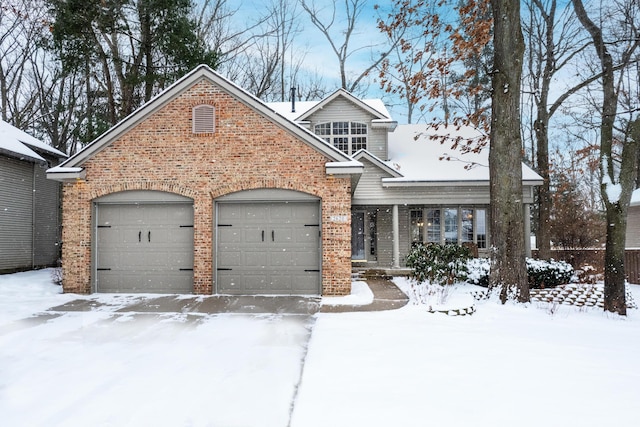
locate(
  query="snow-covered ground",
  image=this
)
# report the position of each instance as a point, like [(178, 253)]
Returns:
[(504, 366)]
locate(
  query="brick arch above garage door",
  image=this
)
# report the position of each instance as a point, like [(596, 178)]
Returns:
[(163, 187), (268, 242), (265, 184)]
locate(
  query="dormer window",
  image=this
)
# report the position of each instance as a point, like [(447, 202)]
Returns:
[(348, 137), (204, 119)]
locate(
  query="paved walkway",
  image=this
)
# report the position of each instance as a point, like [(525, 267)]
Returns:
[(386, 296)]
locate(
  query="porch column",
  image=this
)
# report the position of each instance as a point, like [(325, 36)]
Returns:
[(396, 237), (527, 229)]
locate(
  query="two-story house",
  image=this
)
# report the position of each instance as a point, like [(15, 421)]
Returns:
[(207, 189)]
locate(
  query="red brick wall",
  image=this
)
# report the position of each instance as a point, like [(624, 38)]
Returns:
[(246, 152)]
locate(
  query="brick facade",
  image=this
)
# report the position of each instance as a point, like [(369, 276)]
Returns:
[(247, 151)]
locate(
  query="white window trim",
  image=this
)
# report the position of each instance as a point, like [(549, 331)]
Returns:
[(330, 138)]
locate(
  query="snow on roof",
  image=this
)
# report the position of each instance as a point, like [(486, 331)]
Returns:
[(20, 144), (284, 108), (419, 158)]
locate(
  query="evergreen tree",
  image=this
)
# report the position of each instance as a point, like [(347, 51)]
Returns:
[(128, 50)]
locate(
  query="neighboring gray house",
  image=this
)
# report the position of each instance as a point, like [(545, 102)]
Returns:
[(413, 188), (29, 202), (633, 222)]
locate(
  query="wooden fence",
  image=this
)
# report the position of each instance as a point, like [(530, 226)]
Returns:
[(595, 257)]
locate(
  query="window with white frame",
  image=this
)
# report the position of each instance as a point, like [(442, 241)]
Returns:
[(451, 224), (348, 137)]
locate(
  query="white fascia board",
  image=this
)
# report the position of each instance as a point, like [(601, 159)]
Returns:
[(399, 182), (64, 174), (352, 167), (377, 162), (384, 124)]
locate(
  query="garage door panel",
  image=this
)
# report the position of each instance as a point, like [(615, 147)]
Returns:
[(255, 235), (281, 283), (256, 282), (255, 259), (281, 235), (254, 213), (306, 260), (109, 236), (281, 259), (229, 282), (307, 281), (228, 235), (230, 258)]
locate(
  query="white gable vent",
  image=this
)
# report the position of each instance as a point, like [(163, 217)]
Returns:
[(204, 119)]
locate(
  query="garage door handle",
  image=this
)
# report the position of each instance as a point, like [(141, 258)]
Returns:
[(149, 236), (139, 236), (273, 236), (263, 235)]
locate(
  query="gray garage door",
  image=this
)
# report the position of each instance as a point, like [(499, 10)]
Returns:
[(268, 248), (144, 248)]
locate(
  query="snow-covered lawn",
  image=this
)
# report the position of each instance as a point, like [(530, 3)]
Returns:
[(503, 366)]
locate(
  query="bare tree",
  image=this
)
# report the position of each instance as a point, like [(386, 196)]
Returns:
[(616, 34), (553, 41), (21, 25), (340, 38)]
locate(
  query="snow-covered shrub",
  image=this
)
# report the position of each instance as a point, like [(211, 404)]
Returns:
[(478, 271), (541, 273), (439, 264), (548, 274)]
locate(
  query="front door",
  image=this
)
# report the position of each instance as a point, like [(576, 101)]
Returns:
[(358, 241)]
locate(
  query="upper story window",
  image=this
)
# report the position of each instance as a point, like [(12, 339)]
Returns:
[(348, 137), (204, 119)]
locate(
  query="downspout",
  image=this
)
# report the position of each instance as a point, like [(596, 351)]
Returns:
[(527, 230), (33, 216)]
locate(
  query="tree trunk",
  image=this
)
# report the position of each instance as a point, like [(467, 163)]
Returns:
[(508, 268), (616, 196), (544, 190), (614, 272)]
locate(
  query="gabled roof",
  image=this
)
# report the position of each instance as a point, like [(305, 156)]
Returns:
[(19, 144), (364, 154), (202, 72), (304, 109)]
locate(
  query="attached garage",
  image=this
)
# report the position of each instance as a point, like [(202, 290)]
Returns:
[(268, 242), (144, 243)]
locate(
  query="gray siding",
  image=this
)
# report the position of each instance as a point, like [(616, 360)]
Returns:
[(368, 193), (46, 219), (633, 227), (385, 236), (340, 110), (16, 218)]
